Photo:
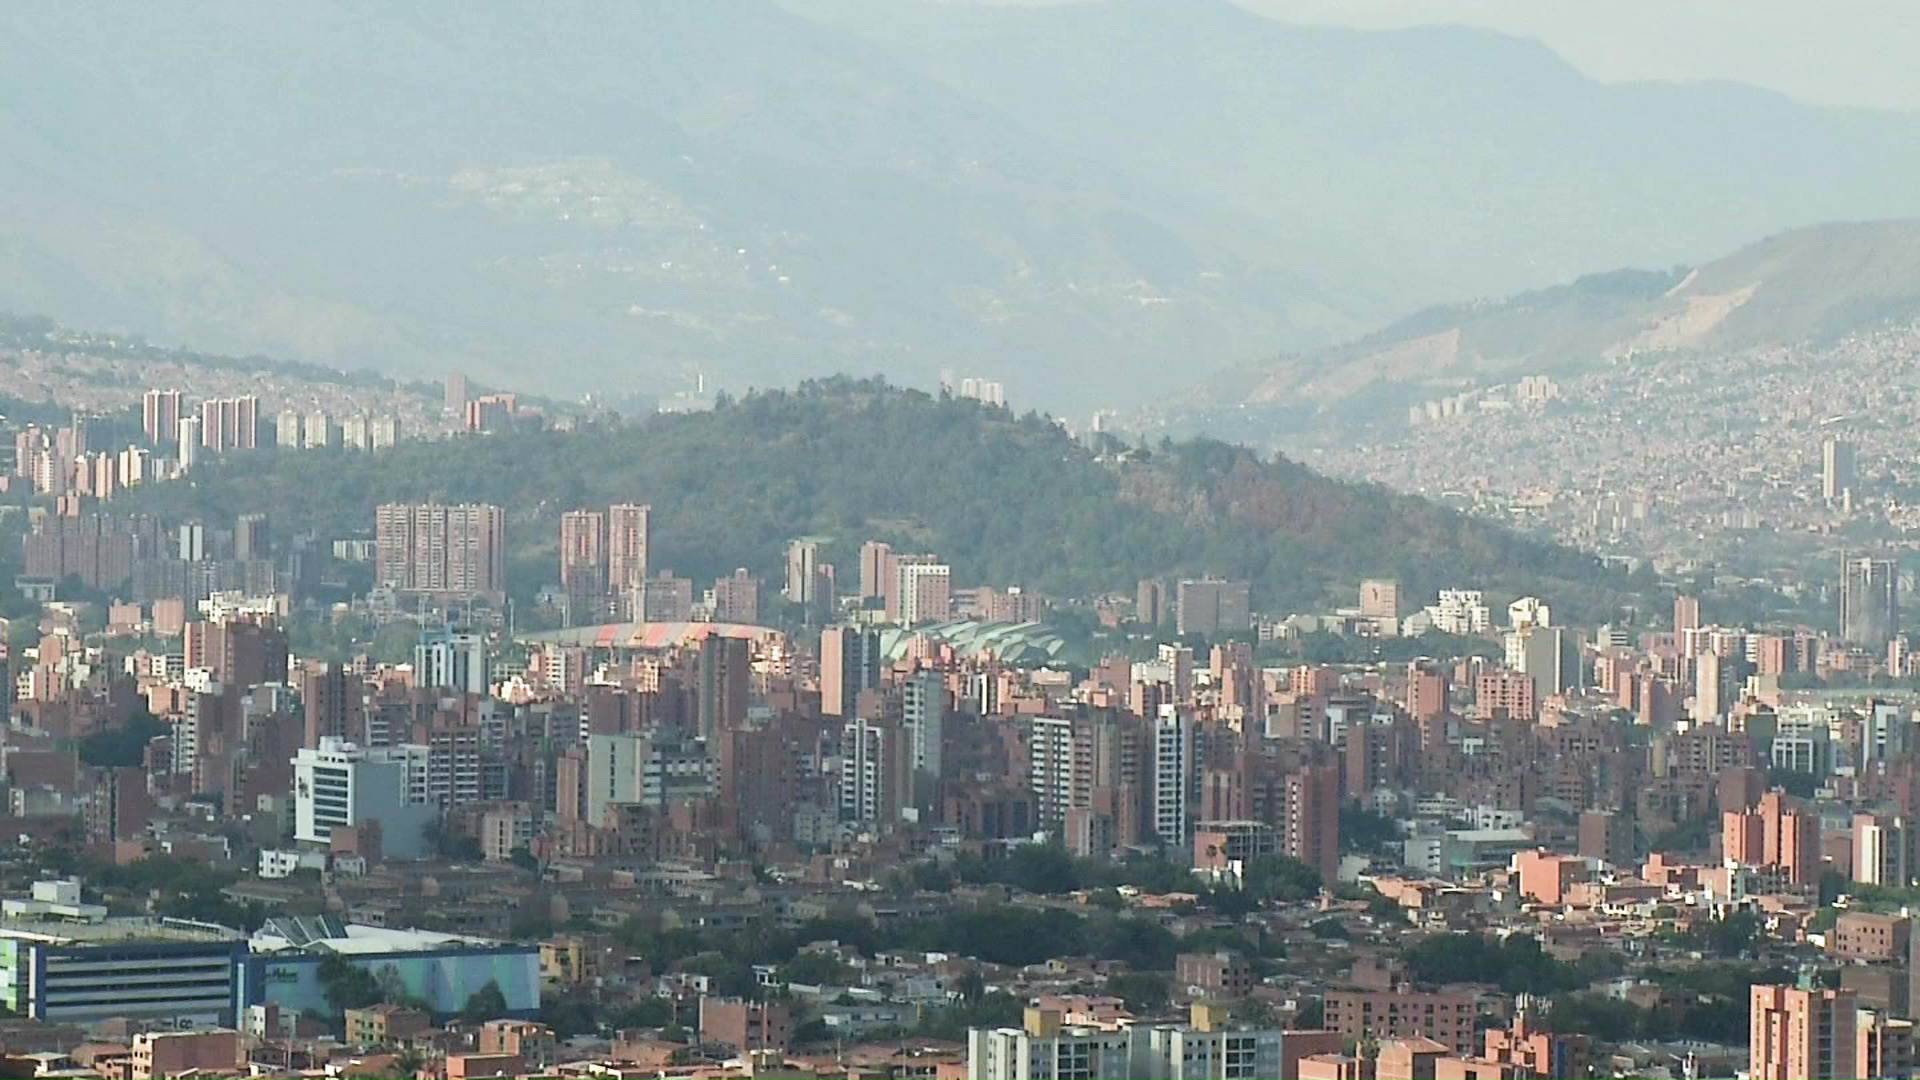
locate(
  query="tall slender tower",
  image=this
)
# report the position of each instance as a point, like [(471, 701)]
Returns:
[(629, 536)]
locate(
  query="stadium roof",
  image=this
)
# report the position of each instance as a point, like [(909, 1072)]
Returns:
[(1023, 644), (647, 635)]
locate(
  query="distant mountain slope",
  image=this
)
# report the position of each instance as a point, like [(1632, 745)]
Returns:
[(1006, 499), (1806, 286), (1086, 202)]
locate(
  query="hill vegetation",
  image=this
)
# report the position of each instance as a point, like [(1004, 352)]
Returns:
[(1006, 499)]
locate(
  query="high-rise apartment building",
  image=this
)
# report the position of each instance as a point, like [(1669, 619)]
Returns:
[(803, 557), (451, 660), (629, 538), (251, 538), (1883, 850), (383, 433), (1550, 655), (646, 770), (1836, 468), (160, 416), (1380, 600), (1778, 832), (1210, 1047), (924, 712), (736, 598), (1869, 601), (1210, 606), (870, 771), (1173, 772), (230, 423), (925, 592), (331, 696), (316, 433), (664, 598), (1045, 1048), (1796, 1034), (1150, 603), (876, 567), (1686, 615), (190, 440), (726, 668), (849, 663), (450, 550), (340, 784), (287, 425), (1310, 828), (583, 563)]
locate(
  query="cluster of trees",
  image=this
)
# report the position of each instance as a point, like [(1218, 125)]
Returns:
[(124, 746), (1737, 935), (1708, 1003), (1000, 934), (1048, 869), (1516, 963), (1367, 832), (176, 888), (1004, 498)]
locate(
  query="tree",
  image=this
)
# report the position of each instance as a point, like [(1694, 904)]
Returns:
[(347, 985), (815, 967), (530, 925), (1364, 831), (486, 1003), (524, 858), (125, 746), (1283, 878), (1144, 992), (1330, 930)]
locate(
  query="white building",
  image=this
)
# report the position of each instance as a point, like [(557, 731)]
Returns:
[(1208, 1048), (342, 784), (451, 660), (646, 770), (1173, 776), (1529, 611), (914, 591), (866, 749), (282, 862), (286, 429), (383, 433), (1460, 611), (317, 431), (355, 433), (1052, 770)]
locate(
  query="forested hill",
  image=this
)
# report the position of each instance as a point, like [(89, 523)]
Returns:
[(1006, 499)]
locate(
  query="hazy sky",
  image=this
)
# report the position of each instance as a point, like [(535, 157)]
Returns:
[(1856, 52), (1843, 52)]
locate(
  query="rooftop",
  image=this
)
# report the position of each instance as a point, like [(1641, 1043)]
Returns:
[(1025, 644), (646, 635), (64, 932), (314, 933)]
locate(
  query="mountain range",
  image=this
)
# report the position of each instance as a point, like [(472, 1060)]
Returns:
[(1807, 287), (1089, 202)]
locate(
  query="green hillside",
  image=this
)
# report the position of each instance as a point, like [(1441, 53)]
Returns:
[(1006, 499)]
